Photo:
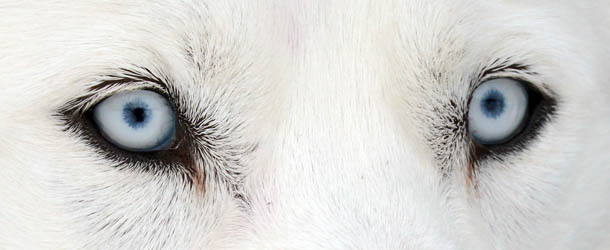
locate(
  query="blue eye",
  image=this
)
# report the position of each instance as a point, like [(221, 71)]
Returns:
[(139, 121), (497, 110)]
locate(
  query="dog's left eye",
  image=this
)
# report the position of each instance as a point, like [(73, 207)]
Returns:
[(136, 121), (498, 109)]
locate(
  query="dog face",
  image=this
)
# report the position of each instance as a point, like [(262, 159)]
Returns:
[(304, 125)]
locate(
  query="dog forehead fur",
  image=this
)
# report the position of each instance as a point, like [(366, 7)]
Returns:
[(337, 99)]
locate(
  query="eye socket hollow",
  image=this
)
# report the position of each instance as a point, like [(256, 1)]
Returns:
[(136, 121)]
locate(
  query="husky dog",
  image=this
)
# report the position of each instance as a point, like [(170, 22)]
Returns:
[(288, 124)]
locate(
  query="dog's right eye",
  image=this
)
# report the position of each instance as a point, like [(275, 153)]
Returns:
[(497, 111), (133, 121), (136, 121)]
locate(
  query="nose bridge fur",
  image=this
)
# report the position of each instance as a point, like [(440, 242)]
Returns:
[(337, 119), (336, 150), (336, 98)]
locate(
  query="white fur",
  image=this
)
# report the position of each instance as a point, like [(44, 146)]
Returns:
[(334, 99)]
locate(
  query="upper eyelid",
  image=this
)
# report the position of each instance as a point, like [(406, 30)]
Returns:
[(124, 80), (145, 75), (517, 71)]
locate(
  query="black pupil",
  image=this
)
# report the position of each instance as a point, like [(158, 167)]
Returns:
[(138, 114), (493, 105)]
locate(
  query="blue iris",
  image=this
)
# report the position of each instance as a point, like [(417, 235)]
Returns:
[(493, 104), (136, 114)]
